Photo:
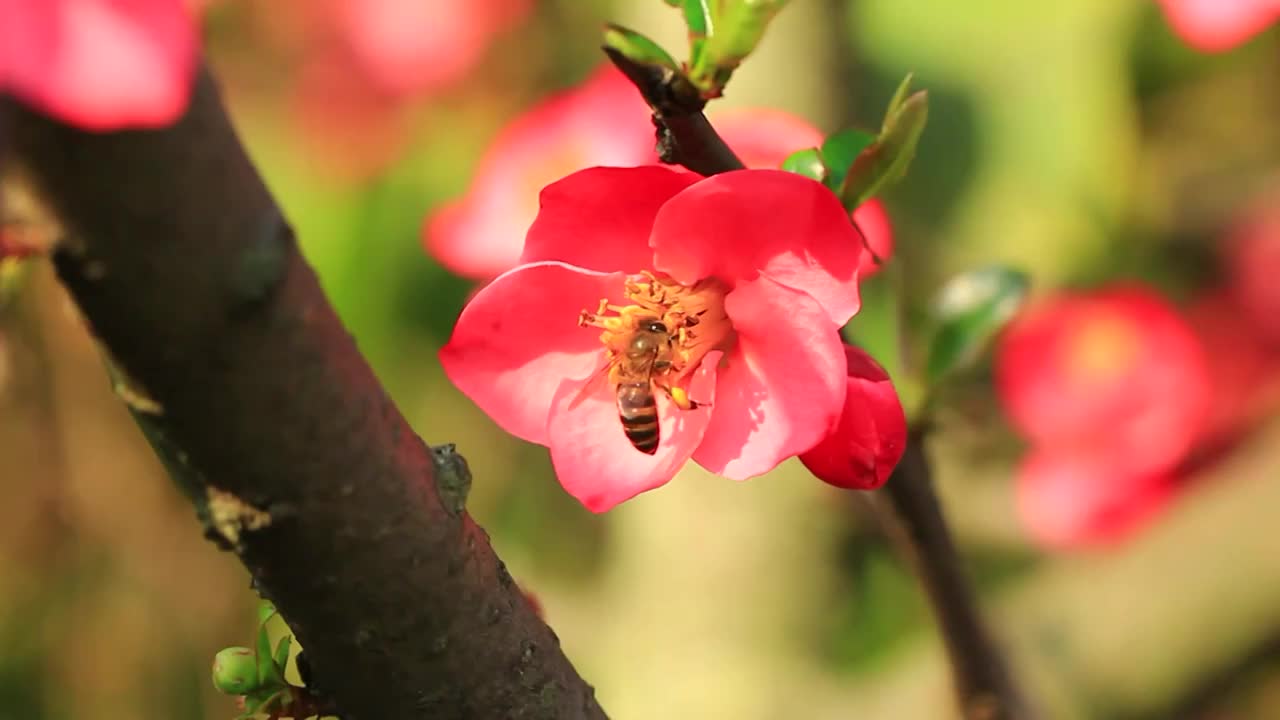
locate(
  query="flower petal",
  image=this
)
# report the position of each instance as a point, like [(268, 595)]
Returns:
[(518, 339), (739, 225), (592, 456), (601, 218), (872, 433), (873, 221), (782, 387), (101, 65)]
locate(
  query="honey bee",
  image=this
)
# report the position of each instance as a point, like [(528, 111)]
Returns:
[(635, 368)]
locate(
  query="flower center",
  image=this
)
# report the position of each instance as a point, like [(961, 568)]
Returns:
[(691, 318), (1102, 349)]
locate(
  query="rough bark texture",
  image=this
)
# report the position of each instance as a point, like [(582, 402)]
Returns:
[(294, 455)]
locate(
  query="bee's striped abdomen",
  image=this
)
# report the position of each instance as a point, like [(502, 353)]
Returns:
[(639, 413)]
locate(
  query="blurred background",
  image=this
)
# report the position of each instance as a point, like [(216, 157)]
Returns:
[(1085, 143)]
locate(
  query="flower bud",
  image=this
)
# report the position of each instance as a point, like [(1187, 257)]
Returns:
[(868, 442), (235, 671)]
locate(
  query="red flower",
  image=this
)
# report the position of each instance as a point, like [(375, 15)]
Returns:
[(1217, 25), (1115, 368), (1112, 388), (1072, 497), (99, 64), (738, 282), (872, 434)]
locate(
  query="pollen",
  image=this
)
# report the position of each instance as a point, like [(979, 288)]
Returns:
[(693, 316)]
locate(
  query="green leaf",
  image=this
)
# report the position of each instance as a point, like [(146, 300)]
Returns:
[(697, 16), (840, 150), (735, 29), (637, 48), (281, 657), (266, 611), (887, 159), (266, 669), (969, 311), (807, 162)]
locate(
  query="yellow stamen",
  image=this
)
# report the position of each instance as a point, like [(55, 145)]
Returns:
[(681, 309)]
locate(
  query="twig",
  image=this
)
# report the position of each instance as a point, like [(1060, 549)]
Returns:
[(685, 137), (257, 397), (913, 518)]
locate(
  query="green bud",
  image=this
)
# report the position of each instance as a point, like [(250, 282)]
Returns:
[(887, 159), (235, 671), (807, 162)]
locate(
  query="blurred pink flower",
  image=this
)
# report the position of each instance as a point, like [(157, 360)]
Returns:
[(763, 137), (1117, 367), (1243, 367), (1253, 264), (1113, 388), (1217, 25), (408, 47), (99, 64), (603, 122), (1073, 497), (749, 275), (872, 434)]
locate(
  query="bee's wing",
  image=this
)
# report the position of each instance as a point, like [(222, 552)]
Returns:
[(598, 379)]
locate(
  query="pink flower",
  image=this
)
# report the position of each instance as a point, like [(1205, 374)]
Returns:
[(99, 64), (408, 47), (1115, 368), (1079, 497), (736, 287), (872, 434), (603, 122), (1217, 25)]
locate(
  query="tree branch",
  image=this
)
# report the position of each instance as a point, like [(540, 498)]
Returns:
[(685, 137), (297, 459), (913, 518)]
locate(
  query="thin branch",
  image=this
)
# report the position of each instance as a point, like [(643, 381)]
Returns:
[(913, 518), (297, 459), (685, 137)]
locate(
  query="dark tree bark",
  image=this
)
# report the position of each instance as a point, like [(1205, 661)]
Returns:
[(258, 401)]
